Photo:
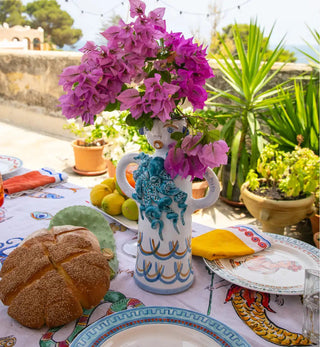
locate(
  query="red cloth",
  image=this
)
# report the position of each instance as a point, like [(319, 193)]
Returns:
[(27, 181)]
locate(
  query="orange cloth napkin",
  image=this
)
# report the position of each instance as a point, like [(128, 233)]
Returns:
[(31, 180)]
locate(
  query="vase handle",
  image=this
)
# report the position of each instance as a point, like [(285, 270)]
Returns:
[(212, 194), (121, 173)]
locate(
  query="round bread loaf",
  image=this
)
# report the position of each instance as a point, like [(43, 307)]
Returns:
[(53, 275)]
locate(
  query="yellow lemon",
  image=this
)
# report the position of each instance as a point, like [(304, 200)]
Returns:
[(98, 192), (110, 183), (130, 209), (112, 203)]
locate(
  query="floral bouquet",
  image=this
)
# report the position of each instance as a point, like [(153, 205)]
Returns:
[(149, 72)]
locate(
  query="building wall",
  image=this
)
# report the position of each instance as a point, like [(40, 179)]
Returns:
[(17, 34), (29, 86)]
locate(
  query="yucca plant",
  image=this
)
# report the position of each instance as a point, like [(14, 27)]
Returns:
[(248, 79), (296, 117)]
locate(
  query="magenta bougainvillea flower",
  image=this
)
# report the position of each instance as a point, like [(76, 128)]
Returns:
[(150, 72)]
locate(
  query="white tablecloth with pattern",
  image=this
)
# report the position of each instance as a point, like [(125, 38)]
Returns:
[(261, 319)]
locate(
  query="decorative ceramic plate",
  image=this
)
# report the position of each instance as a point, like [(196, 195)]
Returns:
[(158, 326), (276, 270), (9, 164), (93, 220), (130, 224)]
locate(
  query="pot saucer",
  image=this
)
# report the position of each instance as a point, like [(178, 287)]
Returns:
[(89, 173)]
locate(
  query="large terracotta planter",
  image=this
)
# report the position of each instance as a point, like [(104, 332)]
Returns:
[(274, 215), (89, 161), (315, 223)]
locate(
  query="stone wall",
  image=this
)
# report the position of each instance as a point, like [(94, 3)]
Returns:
[(29, 88)]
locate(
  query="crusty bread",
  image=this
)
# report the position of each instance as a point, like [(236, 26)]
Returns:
[(49, 278)]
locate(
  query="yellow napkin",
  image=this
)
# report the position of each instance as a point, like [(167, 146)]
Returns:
[(230, 242)]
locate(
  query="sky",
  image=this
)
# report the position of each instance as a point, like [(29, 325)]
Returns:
[(290, 17)]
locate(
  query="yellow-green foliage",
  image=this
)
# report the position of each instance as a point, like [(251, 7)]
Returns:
[(294, 173)]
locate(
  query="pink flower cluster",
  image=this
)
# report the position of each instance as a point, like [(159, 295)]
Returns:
[(193, 158), (143, 67), (148, 71)]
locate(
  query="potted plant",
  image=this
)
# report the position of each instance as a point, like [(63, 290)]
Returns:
[(88, 147), (100, 145), (150, 73), (248, 78), (296, 116), (281, 190)]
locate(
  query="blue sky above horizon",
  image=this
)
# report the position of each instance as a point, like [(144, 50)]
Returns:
[(289, 17)]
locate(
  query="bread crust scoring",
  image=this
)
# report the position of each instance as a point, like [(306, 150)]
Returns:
[(53, 275)]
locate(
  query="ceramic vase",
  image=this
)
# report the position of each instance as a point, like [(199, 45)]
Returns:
[(164, 258)]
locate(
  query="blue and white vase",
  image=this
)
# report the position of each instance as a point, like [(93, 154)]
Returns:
[(164, 258)]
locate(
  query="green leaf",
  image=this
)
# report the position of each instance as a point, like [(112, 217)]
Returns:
[(234, 157), (177, 136), (212, 135), (112, 107)]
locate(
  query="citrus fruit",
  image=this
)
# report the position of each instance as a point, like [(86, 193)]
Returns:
[(112, 203), (129, 174), (130, 209), (119, 189), (110, 183), (98, 192)]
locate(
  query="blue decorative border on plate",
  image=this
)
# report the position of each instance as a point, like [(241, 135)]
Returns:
[(103, 329), (306, 248)]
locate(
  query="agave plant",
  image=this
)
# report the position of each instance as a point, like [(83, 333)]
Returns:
[(296, 117), (248, 79)]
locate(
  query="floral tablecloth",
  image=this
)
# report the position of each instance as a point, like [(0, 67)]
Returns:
[(261, 319)]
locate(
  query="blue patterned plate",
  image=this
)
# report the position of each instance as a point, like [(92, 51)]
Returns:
[(276, 270), (158, 326)]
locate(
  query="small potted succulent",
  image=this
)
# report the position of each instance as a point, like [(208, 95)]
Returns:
[(281, 190)]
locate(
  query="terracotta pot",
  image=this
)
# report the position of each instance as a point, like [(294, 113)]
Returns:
[(315, 223), (89, 160), (274, 215), (199, 189), (111, 168)]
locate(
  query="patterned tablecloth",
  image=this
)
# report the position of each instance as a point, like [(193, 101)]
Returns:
[(261, 319)]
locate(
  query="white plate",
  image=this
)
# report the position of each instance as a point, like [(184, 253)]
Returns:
[(130, 224), (157, 327), (276, 270), (9, 164)]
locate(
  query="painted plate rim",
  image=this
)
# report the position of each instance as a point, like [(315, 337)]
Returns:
[(105, 328), (11, 169), (311, 251)]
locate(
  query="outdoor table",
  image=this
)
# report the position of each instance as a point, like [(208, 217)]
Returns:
[(280, 316)]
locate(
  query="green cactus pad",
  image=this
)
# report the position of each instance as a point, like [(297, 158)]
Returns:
[(93, 220)]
